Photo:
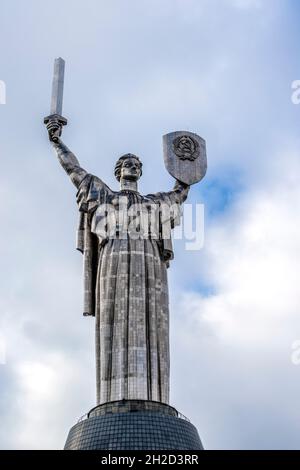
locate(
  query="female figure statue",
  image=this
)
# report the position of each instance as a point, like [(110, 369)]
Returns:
[(126, 255)]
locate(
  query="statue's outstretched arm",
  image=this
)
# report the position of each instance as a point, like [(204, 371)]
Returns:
[(180, 191), (66, 158), (177, 196)]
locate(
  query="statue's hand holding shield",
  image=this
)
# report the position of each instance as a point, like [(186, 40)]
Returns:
[(185, 156)]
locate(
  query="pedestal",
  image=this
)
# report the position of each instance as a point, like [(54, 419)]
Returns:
[(133, 425)]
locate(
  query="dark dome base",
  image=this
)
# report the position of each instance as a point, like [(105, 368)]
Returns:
[(133, 425)]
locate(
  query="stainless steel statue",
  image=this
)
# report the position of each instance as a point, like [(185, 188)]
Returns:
[(125, 238)]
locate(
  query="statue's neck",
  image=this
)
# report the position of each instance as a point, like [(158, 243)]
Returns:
[(130, 185)]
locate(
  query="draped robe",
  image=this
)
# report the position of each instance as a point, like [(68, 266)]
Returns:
[(125, 281), (126, 288)]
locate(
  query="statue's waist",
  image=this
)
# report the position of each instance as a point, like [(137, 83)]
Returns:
[(136, 231), (126, 234)]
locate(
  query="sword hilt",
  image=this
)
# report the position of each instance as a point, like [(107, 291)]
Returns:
[(57, 118)]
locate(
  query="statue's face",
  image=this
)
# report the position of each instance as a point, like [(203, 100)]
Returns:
[(131, 169)]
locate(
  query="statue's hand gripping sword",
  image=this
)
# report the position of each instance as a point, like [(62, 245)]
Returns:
[(57, 97)]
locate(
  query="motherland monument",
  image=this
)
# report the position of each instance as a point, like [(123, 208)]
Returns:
[(126, 242)]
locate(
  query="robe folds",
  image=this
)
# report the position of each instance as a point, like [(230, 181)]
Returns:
[(126, 253)]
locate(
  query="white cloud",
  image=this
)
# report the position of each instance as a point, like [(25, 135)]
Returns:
[(133, 74), (247, 4), (252, 258), (239, 339)]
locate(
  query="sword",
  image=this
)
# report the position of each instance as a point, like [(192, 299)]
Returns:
[(57, 95)]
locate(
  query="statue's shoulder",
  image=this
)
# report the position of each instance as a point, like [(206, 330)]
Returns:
[(155, 197), (94, 184), (91, 192)]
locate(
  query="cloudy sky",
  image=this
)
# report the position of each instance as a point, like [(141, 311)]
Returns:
[(135, 70)]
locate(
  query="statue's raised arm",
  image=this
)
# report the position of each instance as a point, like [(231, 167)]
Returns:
[(180, 192), (66, 158)]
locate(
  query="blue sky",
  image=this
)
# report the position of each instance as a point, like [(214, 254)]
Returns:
[(136, 70)]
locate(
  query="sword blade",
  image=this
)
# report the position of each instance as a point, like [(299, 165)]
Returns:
[(57, 86)]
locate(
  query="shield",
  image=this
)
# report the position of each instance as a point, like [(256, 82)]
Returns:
[(185, 156)]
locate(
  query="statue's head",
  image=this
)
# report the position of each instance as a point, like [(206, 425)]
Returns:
[(128, 167)]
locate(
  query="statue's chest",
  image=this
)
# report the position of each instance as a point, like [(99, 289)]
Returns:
[(126, 214)]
